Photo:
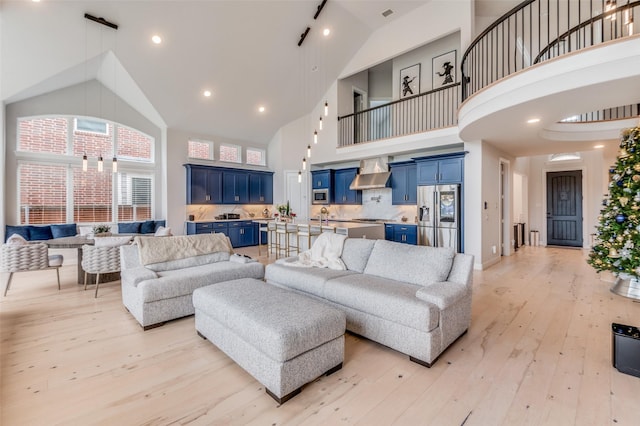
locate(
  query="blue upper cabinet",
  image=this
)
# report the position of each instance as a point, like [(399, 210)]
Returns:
[(446, 168), (342, 193), (235, 187), (403, 183), (322, 179), (260, 187), (204, 185)]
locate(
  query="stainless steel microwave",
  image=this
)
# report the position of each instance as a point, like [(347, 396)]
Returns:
[(320, 196)]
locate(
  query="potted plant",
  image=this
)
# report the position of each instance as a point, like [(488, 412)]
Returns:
[(101, 230)]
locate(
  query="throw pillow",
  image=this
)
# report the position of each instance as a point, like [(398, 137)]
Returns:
[(148, 227), (16, 240), (129, 228), (112, 241), (85, 231), (158, 223), (65, 230), (163, 232), (23, 231), (40, 233)]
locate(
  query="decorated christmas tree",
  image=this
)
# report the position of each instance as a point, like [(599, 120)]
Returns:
[(618, 234)]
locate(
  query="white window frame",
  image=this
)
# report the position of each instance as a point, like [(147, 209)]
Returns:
[(263, 153), (97, 120), (238, 148), (204, 141)]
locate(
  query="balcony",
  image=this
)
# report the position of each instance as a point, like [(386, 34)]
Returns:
[(424, 112)]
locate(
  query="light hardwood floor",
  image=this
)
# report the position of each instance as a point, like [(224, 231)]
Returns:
[(538, 352)]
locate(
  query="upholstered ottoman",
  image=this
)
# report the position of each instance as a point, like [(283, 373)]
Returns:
[(283, 339)]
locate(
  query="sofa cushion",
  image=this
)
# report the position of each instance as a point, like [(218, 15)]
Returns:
[(182, 282), (307, 280), (188, 262), (356, 252), (115, 241), (129, 227), (40, 233), (23, 231), (419, 265), (383, 298), (148, 227), (64, 230)]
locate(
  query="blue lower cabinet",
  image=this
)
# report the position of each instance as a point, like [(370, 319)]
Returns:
[(206, 227), (406, 234), (241, 233)]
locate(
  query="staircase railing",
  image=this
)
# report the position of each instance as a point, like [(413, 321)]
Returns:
[(538, 30), (419, 113)]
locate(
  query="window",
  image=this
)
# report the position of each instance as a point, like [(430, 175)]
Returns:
[(55, 189), (256, 157), (134, 197), (200, 149), (230, 153), (89, 125)]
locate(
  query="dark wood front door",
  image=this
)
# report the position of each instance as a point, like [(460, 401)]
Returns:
[(564, 208)]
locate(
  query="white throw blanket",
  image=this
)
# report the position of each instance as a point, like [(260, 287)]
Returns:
[(325, 252), (163, 249)]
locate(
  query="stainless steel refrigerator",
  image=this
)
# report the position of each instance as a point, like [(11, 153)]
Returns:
[(439, 216)]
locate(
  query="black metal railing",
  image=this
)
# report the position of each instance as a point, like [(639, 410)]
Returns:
[(538, 30), (419, 113), (617, 113)]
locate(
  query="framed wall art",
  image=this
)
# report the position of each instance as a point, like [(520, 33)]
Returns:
[(410, 81), (444, 69)]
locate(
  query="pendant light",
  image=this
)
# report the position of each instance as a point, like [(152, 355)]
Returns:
[(84, 163), (114, 165), (326, 108), (320, 123), (304, 164), (100, 163), (299, 176), (315, 136), (308, 151)]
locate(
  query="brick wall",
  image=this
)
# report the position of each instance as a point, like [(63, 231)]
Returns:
[(43, 135)]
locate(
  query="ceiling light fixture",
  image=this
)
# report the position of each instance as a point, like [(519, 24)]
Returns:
[(387, 12), (320, 124), (207, 93), (308, 151), (100, 163), (533, 120), (326, 32), (101, 21), (85, 163), (261, 109), (599, 146), (315, 136), (156, 39), (299, 176), (114, 165), (319, 9), (326, 108), (304, 164)]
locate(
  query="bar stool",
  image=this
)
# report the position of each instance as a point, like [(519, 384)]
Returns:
[(305, 231), (285, 230), (263, 227)]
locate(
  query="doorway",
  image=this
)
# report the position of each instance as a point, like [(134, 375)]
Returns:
[(564, 208)]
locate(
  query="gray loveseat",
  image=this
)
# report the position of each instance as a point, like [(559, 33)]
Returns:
[(414, 299), (161, 291)]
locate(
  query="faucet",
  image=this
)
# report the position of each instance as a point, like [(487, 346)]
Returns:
[(324, 211)]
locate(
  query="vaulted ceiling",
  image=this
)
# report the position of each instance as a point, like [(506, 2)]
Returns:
[(244, 52)]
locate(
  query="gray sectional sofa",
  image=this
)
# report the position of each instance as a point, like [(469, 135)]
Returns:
[(414, 299), (162, 291)]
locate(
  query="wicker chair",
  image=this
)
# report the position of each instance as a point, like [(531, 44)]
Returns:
[(99, 260), (28, 257)]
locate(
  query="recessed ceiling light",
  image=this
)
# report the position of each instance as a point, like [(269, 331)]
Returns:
[(156, 39), (261, 109), (599, 146), (387, 12), (326, 32), (207, 93), (314, 68), (36, 1), (533, 120)]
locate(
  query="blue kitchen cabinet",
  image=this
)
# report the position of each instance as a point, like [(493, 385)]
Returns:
[(400, 233), (207, 227), (322, 179), (235, 187), (204, 185), (404, 188), (440, 169), (260, 187), (241, 233), (342, 194)]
